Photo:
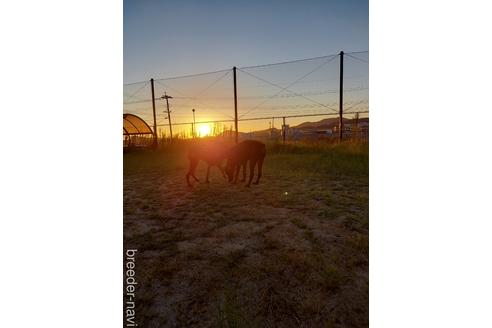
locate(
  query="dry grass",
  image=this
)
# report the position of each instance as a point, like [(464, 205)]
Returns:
[(290, 252)]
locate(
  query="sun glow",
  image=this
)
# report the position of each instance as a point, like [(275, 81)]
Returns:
[(204, 130)]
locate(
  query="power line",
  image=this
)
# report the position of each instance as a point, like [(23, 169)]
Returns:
[(359, 59), (212, 84), (289, 107), (193, 75), (199, 93), (291, 84), (207, 88), (174, 89), (357, 104), (138, 90), (308, 93), (261, 118), (284, 89), (288, 62), (357, 52), (300, 60), (245, 67), (271, 107)]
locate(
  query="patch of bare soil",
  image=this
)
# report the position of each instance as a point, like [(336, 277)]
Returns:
[(290, 252)]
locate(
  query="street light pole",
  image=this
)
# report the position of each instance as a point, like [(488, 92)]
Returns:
[(168, 114), (194, 124)]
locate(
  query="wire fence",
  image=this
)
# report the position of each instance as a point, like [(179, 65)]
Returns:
[(272, 100)]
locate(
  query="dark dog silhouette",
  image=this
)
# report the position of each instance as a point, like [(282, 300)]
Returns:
[(251, 151), (212, 153)]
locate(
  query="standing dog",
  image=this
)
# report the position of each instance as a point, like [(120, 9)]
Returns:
[(212, 153), (251, 151)]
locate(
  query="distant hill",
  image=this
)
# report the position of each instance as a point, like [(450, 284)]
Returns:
[(325, 124), (265, 133), (305, 127)]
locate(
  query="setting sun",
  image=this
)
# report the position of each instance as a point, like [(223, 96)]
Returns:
[(204, 130)]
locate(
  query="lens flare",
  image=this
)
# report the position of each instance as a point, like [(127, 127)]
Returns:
[(204, 130)]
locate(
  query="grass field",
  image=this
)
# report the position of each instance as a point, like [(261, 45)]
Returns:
[(290, 252)]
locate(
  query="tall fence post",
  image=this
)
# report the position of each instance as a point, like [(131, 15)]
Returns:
[(153, 111), (235, 105), (340, 125)]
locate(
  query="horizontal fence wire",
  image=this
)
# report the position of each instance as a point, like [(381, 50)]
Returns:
[(296, 90)]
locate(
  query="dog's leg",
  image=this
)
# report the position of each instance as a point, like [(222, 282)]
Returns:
[(191, 171), (260, 166), (222, 171), (244, 171), (236, 173), (252, 165), (208, 172)]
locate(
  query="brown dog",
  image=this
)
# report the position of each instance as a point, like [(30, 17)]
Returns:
[(251, 151), (211, 152)]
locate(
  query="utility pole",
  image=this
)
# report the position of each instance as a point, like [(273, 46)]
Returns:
[(194, 123), (235, 104), (153, 111), (168, 114), (340, 125)]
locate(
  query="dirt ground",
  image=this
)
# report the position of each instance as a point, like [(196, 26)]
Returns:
[(290, 252)]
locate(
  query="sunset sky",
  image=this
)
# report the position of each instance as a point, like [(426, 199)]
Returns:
[(176, 37), (173, 38)]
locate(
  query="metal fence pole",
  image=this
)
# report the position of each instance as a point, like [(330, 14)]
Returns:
[(235, 104), (340, 125), (153, 111)]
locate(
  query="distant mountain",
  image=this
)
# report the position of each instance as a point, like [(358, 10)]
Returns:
[(266, 132), (327, 123), (305, 127)]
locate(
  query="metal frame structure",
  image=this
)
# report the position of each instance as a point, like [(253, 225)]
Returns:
[(126, 133)]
